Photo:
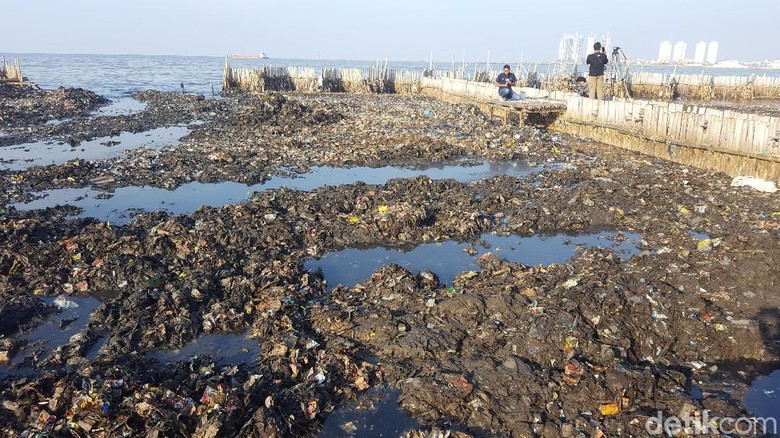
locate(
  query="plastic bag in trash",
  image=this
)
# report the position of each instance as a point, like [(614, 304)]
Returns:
[(63, 303)]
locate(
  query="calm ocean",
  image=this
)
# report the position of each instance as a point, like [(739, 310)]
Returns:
[(115, 76)]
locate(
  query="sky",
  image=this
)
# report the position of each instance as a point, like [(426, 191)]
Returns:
[(401, 30)]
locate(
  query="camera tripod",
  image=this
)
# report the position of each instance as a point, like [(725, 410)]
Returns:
[(617, 73)]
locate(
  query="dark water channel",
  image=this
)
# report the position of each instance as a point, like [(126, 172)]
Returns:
[(375, 414), (72, 317), (448, 259), (42, 153), (223, 348), (763, 397), (125, 106), (119, 205)]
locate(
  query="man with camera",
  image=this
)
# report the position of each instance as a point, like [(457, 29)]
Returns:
[(581, 87), (504, 81), (596, 62)]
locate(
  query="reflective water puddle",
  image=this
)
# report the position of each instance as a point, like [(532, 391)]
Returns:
[(763, 397), (375, 414), (223, 348), (94, 351), (698, 235), (42, 153), (56, 331), (125, 106), (448, 259), (755, 384), (119, 205)]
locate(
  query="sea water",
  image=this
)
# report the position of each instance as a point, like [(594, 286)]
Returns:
[(116, 76)]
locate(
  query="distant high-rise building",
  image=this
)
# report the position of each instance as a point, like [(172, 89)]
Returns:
[(605, 40), (665, 52), (701, 49), (712, 52), (678, 52), (570, 48)]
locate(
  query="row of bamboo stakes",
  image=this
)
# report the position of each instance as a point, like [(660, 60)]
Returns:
[(646, 85), (377, 79), (11, 72), (703, 86), (680, 124)]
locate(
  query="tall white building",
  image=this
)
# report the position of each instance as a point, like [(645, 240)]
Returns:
[(605, 40), (665, 52), (678, 52), (701, 49), (570, 48), (712, 52)]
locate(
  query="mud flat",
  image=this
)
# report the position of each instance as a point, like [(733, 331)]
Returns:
[(219, 321)]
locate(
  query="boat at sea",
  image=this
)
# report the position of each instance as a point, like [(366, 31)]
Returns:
[(260, 55)]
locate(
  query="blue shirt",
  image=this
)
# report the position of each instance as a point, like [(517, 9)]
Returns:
[(504, 78)]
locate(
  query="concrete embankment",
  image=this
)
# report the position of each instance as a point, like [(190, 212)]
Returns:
[(727, 141)]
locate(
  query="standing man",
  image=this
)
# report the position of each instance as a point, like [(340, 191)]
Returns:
[(596, 60), (504, 81)]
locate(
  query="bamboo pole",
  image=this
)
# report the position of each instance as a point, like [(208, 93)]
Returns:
[(11, 72)]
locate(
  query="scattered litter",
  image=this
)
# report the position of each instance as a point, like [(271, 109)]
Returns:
[(759, 184)]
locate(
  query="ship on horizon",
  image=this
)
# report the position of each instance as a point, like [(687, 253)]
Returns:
[(260, 55)]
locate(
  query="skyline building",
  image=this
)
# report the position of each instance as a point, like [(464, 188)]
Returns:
[(570, 48), (704, 52), (665, 52), (678, 52), (606, 41), (699, 53)]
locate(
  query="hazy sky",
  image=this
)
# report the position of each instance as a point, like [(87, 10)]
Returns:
[(398, 29)]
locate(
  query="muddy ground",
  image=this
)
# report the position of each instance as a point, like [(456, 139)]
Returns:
[(590, 347)]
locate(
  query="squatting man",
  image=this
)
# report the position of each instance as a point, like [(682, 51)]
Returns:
[(505, 80)]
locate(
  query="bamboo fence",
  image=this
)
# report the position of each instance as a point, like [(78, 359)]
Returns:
[(11, 72), (353, 80), (703, 87), (728, 141), (377, 79), (676, 123)]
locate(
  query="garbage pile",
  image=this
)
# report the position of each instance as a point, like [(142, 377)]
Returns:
[(26, 105), (595, 346)]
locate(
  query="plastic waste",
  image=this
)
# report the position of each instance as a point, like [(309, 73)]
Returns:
[(609, 409), (759, 184), (63, 303)]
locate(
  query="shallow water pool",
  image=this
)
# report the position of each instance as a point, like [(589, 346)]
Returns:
[(43, 153), (118, 206), (448, 259)]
